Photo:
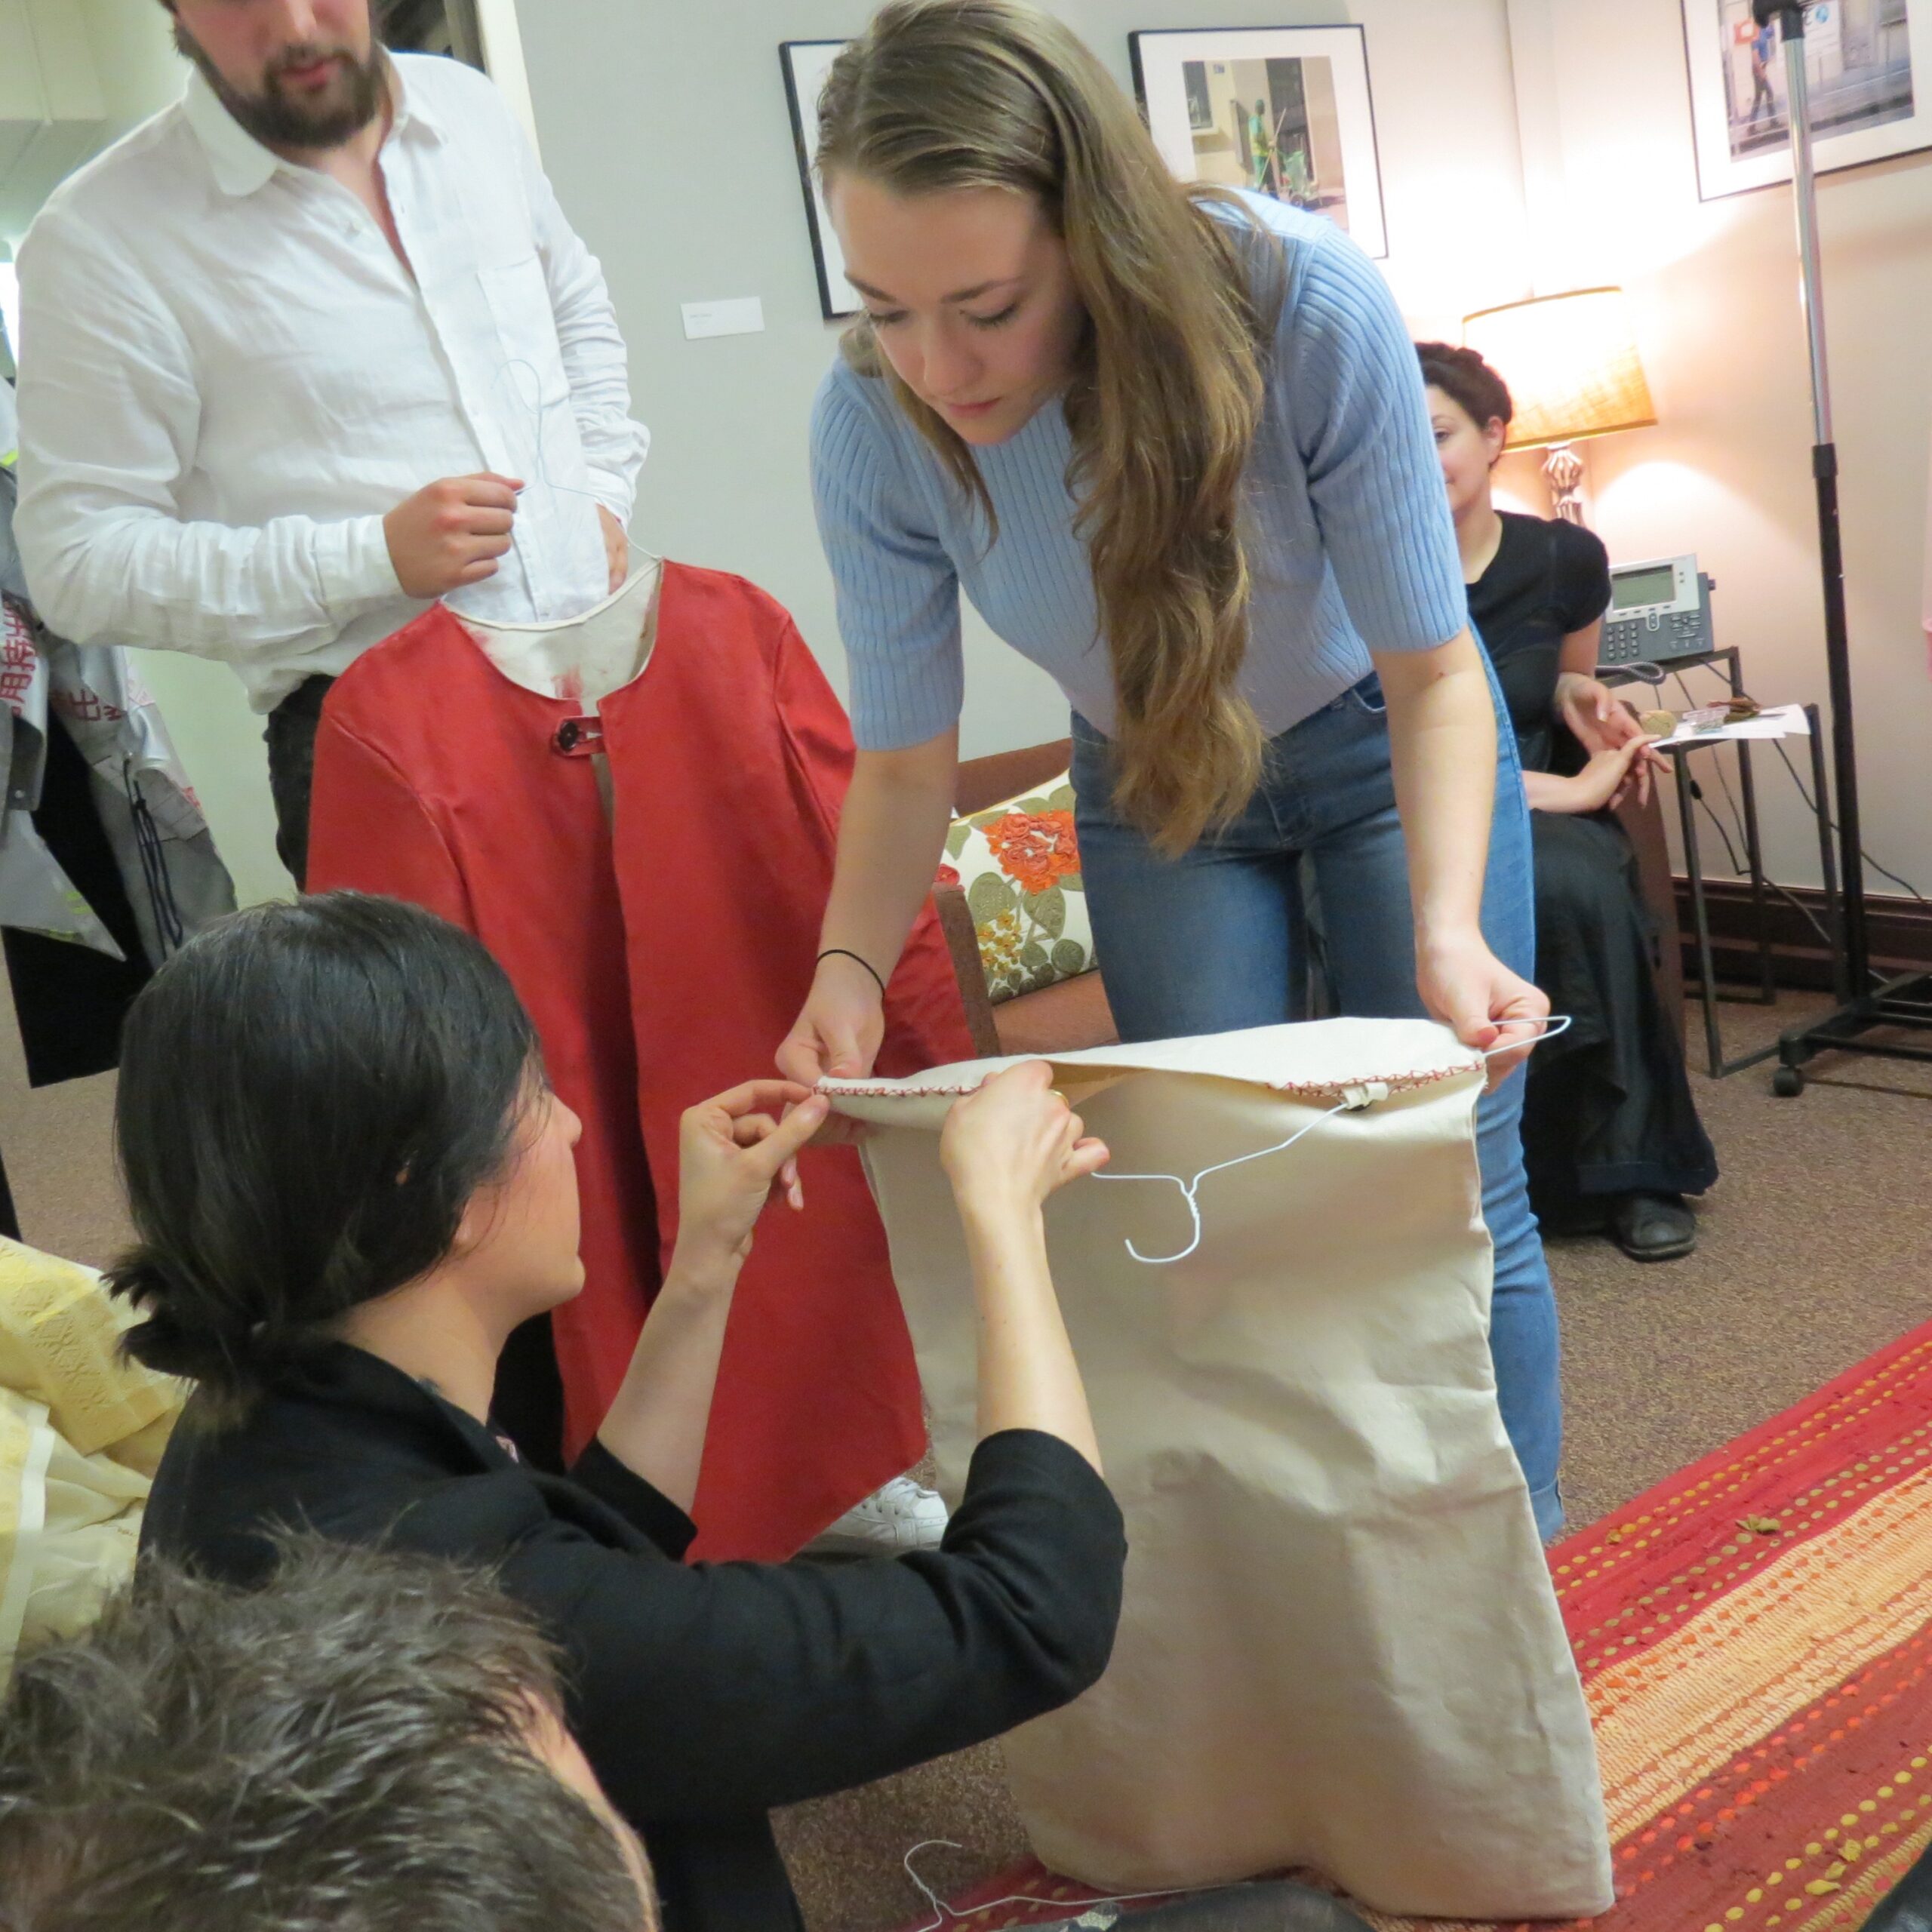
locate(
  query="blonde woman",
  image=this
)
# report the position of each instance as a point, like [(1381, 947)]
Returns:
[(1172, 443)]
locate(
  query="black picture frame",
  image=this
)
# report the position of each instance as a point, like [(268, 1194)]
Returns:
[(837, 301), (1159, 56), (432, 26)]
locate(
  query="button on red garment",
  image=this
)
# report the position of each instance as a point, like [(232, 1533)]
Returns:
[(662, 963)]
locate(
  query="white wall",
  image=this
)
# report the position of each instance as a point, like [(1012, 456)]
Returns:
[(666, 132), (1726, 473)]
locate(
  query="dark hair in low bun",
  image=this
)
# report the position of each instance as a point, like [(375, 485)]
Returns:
[(310, 1096), (1462, 375)]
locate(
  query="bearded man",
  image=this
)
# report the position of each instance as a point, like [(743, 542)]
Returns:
[(308, 349)]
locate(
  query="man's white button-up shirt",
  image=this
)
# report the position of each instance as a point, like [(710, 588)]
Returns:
[(228, 380)]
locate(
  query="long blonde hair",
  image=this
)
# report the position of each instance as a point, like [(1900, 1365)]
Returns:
[(1167, 391)]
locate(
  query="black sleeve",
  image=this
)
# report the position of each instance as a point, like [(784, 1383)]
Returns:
[(647, 1508), (1582, 589), (710, 1690)]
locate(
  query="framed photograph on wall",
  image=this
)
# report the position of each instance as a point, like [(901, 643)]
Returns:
[(1869, 64), (807, 63), (431, 27), (1282, 111)]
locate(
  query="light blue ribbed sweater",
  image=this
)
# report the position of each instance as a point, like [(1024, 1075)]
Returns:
[(1350, 542)]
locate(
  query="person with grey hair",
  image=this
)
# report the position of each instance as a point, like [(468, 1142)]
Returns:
[(373, 1742)]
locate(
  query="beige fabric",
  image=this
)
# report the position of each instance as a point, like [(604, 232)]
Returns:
[(1340, 1646), (585, 658), (81, 1433)]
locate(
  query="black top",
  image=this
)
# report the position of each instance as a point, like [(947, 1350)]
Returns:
[(702, 1694), (1545, 581)]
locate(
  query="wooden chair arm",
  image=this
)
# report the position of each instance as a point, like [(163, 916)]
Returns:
[(962, 941), (984, 782), (1643, 825)]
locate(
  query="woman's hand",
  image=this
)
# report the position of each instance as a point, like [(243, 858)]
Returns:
[(838, 1033), (1005, 1148), (731, 1151), (1466, 986), (1606, 781), (837, 1037), (1601, 721), (735, 1155), (1597, 718), (1008, 1146)]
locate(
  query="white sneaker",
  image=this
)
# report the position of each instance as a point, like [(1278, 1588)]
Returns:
[(901, 1516)]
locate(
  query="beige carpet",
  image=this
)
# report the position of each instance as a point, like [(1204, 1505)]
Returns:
[(1816, 1249)]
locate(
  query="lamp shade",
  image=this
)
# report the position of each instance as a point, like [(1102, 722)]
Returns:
[(1571, 364)]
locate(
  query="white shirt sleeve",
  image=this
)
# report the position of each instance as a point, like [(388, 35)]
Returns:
[(109, 419), (614, 446)]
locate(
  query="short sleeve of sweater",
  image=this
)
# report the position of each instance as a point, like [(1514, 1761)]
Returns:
[(1361, 425), (898, 595), (1582, 588)]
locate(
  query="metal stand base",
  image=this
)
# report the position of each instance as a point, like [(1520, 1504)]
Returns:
[(1904, 1002)]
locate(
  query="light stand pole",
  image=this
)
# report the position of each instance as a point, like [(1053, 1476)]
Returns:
[(1905, 1002)]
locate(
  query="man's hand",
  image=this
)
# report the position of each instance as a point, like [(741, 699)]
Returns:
[(617, 548), (451, 534)]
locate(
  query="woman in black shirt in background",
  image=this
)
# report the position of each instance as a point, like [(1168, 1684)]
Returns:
[(1610, 1135)]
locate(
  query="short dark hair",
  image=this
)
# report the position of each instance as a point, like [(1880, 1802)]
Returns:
[(347, 1749), (310, 1096), (1462, 375)]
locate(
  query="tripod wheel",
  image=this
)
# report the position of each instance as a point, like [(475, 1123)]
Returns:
[(1788, 1083)]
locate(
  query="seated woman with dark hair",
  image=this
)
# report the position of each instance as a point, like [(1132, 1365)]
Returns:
[(351, 1182), (1611, 1137)]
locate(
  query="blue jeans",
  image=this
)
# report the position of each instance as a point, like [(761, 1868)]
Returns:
[(1217, 939)]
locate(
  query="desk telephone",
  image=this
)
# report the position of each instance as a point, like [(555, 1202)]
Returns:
[(1658, 610)]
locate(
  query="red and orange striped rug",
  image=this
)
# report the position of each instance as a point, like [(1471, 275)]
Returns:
[(1756, 1639)]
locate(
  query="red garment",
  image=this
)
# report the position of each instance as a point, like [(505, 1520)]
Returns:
[(439, 780)]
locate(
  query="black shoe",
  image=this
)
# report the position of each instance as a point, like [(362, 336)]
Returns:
[(1909, 1907), (1653, 1227), (1273, 1905)]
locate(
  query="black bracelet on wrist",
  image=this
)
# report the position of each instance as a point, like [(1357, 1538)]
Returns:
[(843, 952)]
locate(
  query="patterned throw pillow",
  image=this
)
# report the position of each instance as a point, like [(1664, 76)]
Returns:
[(1018, 865)]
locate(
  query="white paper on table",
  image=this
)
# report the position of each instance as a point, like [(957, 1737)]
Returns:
[(1783, 721)]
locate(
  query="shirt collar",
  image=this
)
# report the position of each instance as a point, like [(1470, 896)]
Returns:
[(242, 165), (344, 1375)]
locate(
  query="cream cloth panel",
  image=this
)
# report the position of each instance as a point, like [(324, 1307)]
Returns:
[(82, 1431), (1340, 1646)]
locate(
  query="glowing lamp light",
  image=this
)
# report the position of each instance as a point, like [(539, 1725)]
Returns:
[(1573, 369)]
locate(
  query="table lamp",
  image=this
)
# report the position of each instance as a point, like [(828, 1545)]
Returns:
[(1572, 366)]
